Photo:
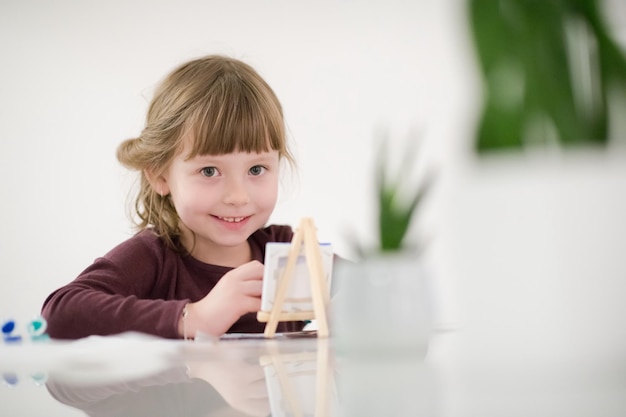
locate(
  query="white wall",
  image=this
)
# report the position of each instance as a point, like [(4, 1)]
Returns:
[(76, 78)]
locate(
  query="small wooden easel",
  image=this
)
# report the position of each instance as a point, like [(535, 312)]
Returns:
[(305, 234)]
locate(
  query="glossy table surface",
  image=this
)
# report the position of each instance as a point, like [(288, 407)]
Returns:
[(136, 375)]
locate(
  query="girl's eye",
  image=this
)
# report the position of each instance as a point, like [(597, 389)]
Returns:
[(209, 171), (257, 170)]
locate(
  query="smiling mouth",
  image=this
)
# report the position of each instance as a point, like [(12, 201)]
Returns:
[(232, 219)]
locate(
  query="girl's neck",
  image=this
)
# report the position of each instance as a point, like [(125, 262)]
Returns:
[(229, 256)]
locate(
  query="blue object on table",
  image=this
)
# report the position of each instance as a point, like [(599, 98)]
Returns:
[(37, 329), (8, 327), (7, 332)]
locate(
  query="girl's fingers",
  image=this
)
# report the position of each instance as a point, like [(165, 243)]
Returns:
[(252, 288), (251, 304), (250, 271)]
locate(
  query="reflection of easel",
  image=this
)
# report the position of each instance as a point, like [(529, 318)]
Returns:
[(285, 376), (306, 235)]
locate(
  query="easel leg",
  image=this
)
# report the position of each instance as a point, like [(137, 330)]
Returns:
[(283, 285), (319, 288)]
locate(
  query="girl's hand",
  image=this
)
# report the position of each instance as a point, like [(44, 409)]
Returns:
[(238, 292)]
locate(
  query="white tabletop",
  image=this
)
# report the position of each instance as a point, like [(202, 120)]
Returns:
[(138, 375)]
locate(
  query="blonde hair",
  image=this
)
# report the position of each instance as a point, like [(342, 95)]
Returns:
[(224, 105)]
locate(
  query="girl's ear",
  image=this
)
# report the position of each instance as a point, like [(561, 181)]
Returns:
[(157, 182)]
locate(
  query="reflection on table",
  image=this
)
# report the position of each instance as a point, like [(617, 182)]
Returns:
[(128, 376), (229, 378), (167, 393)]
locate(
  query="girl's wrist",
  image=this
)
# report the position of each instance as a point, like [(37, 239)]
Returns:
[(184, 323), (189, 323)]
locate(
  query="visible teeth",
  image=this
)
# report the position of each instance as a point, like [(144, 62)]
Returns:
[(232, 219)]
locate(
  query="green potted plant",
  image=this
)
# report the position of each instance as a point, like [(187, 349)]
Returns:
[(382, 299)]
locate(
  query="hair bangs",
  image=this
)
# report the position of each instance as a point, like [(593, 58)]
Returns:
[(236, 116)]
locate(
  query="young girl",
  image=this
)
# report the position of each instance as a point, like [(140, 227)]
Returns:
[(209, 159)]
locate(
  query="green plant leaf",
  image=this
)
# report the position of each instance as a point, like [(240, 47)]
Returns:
[(396, 211), (548, 68)]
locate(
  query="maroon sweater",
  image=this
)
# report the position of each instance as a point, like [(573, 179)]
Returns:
[(142, 285)]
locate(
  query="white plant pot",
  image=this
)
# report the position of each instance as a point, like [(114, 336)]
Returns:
[(380, 304)]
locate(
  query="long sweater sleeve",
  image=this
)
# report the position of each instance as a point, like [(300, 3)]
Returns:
[(142, 285), (132, 288)]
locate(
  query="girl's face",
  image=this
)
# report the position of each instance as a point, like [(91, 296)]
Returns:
[(222, 200)]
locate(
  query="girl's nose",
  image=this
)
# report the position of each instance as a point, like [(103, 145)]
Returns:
[(236, 193)]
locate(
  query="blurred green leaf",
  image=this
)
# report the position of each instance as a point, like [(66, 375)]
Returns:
[(548, 67), (396, 210)]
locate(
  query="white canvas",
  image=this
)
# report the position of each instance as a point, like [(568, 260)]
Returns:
[(298, 296)]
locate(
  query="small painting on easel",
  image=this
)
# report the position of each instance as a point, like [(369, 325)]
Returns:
[(278, 281), (298, 297)]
